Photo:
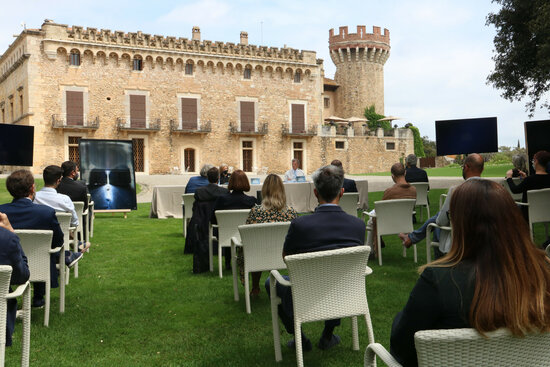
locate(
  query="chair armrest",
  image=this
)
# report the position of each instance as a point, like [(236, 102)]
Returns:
[(279, 278), (18, 292), (522, 204), (236, 241), (368, 270), (376, 349), (54, 250), (85, 212)]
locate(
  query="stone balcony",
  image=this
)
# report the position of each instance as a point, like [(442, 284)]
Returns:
[(203, 128), (260, 129), (127, 124), (312, 131)]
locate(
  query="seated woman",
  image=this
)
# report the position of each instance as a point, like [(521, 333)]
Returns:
[(272, 209), (235, 199), (224, 174), (540, 180), (493, 277)]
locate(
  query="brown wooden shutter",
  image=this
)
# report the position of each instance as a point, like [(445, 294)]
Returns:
[(298, 123), (248, 155), (75, 108), (138, 111), (247, 116), (189, 113)]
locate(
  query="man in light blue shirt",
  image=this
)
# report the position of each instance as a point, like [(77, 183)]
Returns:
[(291, 174)]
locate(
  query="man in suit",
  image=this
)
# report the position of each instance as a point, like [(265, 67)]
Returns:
[(12, 254), (69, 185), (413, 173), (349, 185), (211, 191), (24, 214), (198, 181), (328, 228)]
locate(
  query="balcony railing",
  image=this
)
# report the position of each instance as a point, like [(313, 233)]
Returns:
[(261, 129), (125, 124), (203, 128), (312, 131), (59, 121)]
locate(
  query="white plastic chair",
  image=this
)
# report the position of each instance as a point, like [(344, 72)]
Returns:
[(228, 221), (262, 250), (325, 285), (24, 291), (188, 200), (466, 347), (349, 202), (539, 208), (64, 220), (36, 245), (422, 196), (393, 217)]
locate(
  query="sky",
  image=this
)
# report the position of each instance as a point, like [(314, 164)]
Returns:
[(441, 50)]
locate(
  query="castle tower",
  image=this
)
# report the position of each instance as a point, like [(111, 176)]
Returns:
[(359, 59)]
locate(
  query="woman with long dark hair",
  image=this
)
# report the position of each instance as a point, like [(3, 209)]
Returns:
[(493, 277)]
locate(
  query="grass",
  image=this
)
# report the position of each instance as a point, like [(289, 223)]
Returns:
[(137, 303), (454, 170)]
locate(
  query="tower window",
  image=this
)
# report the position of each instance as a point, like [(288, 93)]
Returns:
[(188, 69), (297, 77), (327, 102), (247, 73), (138, 64), (74, 58)]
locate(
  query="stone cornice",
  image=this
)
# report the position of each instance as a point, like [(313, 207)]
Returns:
[(15, 65)]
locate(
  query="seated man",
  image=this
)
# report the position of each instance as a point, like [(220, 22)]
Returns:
[(197, 181), (328, 228), (24, 214), (292, 174), (12, 254), (70, 185), (413, 173), (52, 176), (400, 190), (211, 191), (349, 185), (471, 169)]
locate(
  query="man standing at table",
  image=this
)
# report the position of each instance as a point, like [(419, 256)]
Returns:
[(292, 174)]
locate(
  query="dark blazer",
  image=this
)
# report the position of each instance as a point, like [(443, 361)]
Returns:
[(440, 299), (12, 254), (328, 228), (415, 174), (194, 183), (349, 185), (24, 214), (232, 200), (76, 190), (210, 192)]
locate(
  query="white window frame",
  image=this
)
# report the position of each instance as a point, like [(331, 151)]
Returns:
[(394, 145), (304, 152), (182, 158), (290, 103), (189, 95), (127, 93), (256, 114), (255, 162), (66, 135), (74, 88), (145, 152)]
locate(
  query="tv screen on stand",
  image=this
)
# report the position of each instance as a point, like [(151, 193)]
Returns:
[(16, 145), (465, 136)]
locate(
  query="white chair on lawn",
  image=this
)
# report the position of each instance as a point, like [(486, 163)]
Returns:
[(36, 245), (228, 221), (188, 200), (91, 216), (422, 196), (429, 242), (262, 246), (516, 197), (325, 285), (539, 208), (393, 217), (442, 199), (64, 220), (79, 233), (24, 291), (466, 347), (349, 202)]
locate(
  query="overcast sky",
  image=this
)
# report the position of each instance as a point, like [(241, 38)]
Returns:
[(440, 49)]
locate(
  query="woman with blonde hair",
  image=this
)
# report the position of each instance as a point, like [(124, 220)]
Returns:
[(493, 277), (272, 209)]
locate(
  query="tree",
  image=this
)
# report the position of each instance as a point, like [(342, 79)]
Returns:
[(373, 117), (429, 147), (522, 51)]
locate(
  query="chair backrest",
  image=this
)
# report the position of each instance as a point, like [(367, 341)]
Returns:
[(263, 245), (5, 276), (64, 220), (466, 347), (516, 197), (421, 192), (539, 205), (394, 216), (328, 284), (442, 198), (349, 201), (188, 200), (79, 208), (228, 222), (36, 245)]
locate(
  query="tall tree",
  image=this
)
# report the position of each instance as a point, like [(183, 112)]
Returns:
[(522, 51)]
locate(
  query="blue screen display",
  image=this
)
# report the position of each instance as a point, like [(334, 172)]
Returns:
[(465, 136)]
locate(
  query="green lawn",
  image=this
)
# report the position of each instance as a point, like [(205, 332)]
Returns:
[(137, 303), (454, 170)]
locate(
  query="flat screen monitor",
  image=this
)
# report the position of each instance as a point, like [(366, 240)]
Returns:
[(465, 136), (537, 137), (16, 145)]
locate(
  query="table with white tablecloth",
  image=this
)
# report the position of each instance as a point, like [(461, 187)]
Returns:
[(166, 201)]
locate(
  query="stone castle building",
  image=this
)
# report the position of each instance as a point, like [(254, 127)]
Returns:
[(186, 102)]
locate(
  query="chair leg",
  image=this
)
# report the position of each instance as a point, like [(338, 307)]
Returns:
[(247, 292), (355, 333), (62, 284), (3, 336), (210, 249), (234, 273), (298, 343), (415, 254), (220, 270), (428, 245), (379, 247), (47, 308), (26, 333), (275, 318)]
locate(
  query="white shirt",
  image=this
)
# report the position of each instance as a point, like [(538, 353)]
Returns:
[(59, 202), (291, 174)]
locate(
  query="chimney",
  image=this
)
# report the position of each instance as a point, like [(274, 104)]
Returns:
[(244, 38), (196, 34)]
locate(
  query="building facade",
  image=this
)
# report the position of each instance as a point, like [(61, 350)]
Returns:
[(186, 102)]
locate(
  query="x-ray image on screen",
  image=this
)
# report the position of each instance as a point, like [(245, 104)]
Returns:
[(108, 168)]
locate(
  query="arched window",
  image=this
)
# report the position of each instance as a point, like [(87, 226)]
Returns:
[(189, 159), (74, 58), (138, 63)]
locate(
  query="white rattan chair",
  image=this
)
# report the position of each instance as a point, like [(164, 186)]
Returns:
[(36, 245), (325, 285), (24, 313), (539, 208), (422, 196), (466, 347), (91, 216), (442, 198), (64, 220), (188, 200), (429, 242), (393, 217), (228, 221), (349, 202), (262, 250)]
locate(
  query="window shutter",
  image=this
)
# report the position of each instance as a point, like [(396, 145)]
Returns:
[(298, 123), (75, 108), (137, 111), (247, 116), (189, 113)]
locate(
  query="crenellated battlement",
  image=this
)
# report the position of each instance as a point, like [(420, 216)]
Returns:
[(361, 39), (106, 37)]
